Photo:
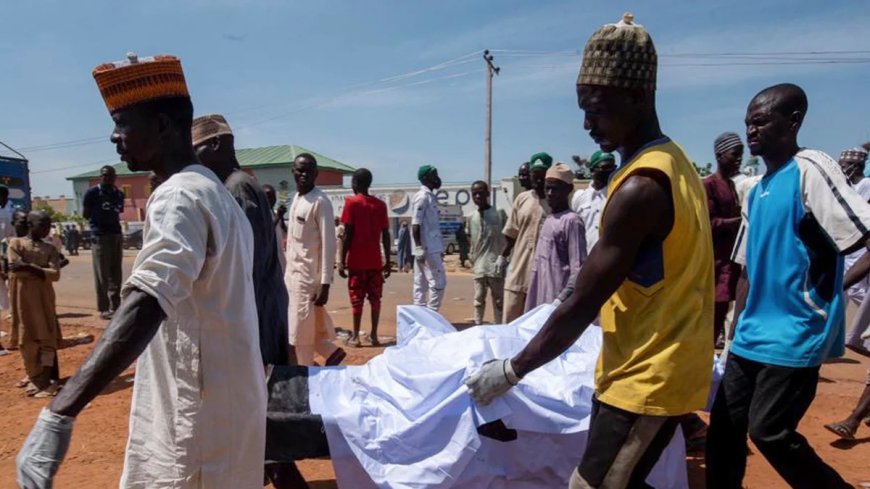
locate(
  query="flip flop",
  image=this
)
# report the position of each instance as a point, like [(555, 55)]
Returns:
[(841, 430)]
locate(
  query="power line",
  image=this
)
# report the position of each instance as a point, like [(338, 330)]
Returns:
[(703, 59), (71, 167), (464, 59)]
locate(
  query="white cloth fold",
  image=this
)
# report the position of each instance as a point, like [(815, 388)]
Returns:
[(406, 420)]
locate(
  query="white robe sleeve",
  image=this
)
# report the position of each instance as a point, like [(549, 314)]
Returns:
[(326, 223), (173, 252)]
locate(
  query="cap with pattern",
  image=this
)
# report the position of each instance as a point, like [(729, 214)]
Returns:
[(620, 55), (855, 154), (136, 80), (725, 142), (209, 126)]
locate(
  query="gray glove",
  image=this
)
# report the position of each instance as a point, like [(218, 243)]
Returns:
[(43, 451), (500, 265), (493, 379), (419, 252)]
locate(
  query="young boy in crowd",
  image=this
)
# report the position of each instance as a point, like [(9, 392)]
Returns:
[(33, 266)]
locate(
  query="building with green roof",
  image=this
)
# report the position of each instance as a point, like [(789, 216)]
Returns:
[(270, 165)]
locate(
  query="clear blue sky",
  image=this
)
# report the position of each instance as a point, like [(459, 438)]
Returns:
[(311, 73)]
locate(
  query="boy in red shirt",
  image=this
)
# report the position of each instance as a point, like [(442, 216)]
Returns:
[(365, 221)]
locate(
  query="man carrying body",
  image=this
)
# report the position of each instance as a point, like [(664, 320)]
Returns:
[(724, 222), (429, 276), (102, 206), (650, 275), (279, 223), (365, 227), (311, 254), (198, 415), (587, 203), (798, 221), (487, 244), (561, 246), (521, 233)]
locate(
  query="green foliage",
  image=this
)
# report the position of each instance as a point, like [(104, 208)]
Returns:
[(705, 170)]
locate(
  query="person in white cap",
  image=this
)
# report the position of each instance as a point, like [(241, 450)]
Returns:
[(561, 246)]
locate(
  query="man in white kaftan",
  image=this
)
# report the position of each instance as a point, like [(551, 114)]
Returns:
[(197, 418), (188, 313), (310, 261)]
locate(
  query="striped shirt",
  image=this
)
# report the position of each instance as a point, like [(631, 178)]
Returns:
[(797, 224)]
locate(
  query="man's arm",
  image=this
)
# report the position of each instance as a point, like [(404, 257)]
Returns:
[(739, 301), (343, 247), (576, 256), (415, 232), (326, 222), (719, 224), (858, 271), (385, 242), (639, 212), (131, 329), (509, 246), (87, 204)]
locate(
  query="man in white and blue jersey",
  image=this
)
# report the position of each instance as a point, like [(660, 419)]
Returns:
[(799, 221)]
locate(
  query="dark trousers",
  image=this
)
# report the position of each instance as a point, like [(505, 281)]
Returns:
[(107, 256), (622, 443), (720, 312), (766, 402)]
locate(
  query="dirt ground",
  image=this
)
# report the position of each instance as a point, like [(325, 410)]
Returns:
[(96, 453)]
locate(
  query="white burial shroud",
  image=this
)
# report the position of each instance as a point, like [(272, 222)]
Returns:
[(406, 420)]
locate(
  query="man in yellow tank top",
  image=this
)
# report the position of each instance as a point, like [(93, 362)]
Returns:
[(650, 276)]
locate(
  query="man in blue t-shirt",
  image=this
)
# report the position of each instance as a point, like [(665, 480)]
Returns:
[(102, 207), (799, 221)]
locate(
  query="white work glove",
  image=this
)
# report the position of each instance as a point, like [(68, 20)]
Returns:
[(500, 263), (43, 451), (493, 379), (419, 252)]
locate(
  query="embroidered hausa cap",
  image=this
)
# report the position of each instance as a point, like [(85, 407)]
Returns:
[(136, 80), (620, 55), (209, 126), (561, 171)]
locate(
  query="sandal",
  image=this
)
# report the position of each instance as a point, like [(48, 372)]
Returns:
[(375, 341), (31, 390), (842, 430), (352, 341), (49, 391), (22, 383)]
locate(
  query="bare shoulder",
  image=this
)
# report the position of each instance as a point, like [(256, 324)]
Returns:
[(642, 204)]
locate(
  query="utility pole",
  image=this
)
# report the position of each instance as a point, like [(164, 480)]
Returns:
[(487, 156)]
